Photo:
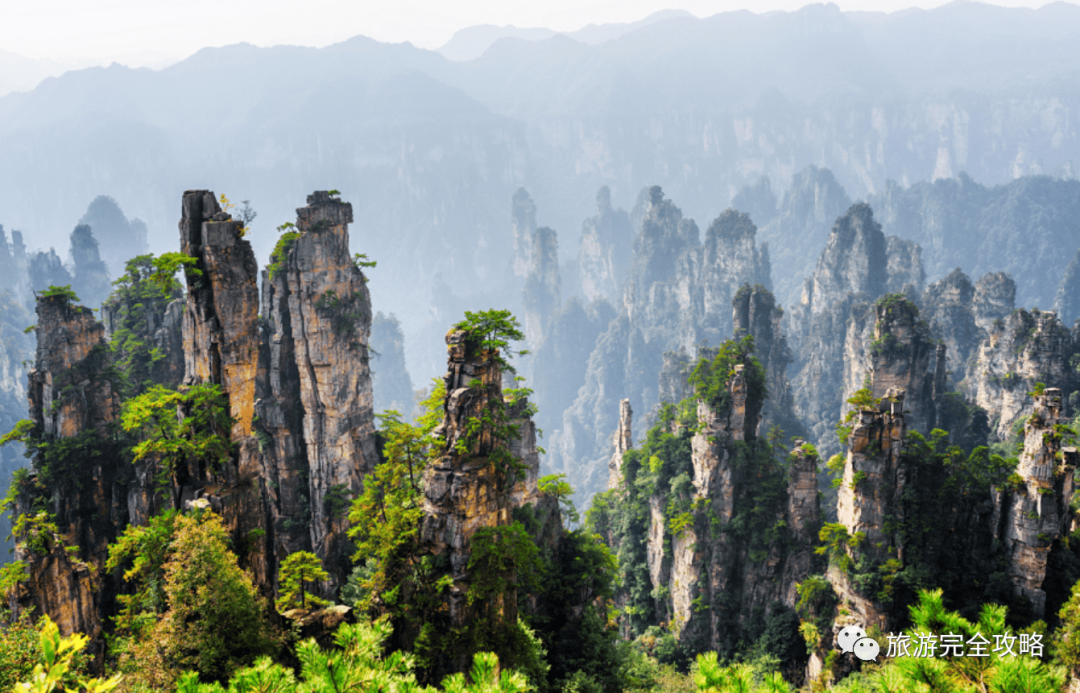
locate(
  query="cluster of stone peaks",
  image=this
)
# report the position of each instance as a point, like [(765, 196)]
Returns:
[(294, 366)]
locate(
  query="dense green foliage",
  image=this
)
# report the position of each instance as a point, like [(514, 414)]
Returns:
[(491, 332), (946, 478), (214, 623), (143, 549), (138, 302), (281, 249), (357, 665), (296, 570), (994, 672), (18, 648), (711, 378), (57, 667), (189, 425), (64, 293), (385, 518)]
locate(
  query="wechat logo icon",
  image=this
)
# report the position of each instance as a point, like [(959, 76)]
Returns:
[(853, 639)]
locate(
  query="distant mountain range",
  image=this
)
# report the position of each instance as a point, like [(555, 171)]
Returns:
[(471, 42), (429, 150)]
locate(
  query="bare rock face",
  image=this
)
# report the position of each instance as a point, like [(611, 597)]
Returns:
[(221, 344), (1019, 351), (828, 327), (904, 358), (713, 580), (756, 313), (1036, 514), (948, 307), (674, 379), (46, 269), (803, 508), (995, 299), (9, 278), (161, 325), (624, 440), (14, 272), (298, 387), (801, 226), (91, 281), (467, 491), (541, 294), (905, 267), (523, 216), (314, 390), (71, 397), (67, 393), (875, 476), (1067, 301), (65, 588), (605, 251)]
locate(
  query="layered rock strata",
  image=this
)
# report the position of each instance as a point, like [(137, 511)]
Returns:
[(314, 388)]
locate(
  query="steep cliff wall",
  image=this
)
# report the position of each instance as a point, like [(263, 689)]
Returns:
[(45, 270), (1019, 351), (714, 525), (314, 386), (903, 357), (477, 481), (604, 254), (298, 388), (13, 275), (523, 218), (947, 305), (542, 294), (1067, 300), (828, 328), (77, 488), (756, 313), (995, 298), (91, 281), (1035, 514), (875, 476), (17, 349), (623, 440), (908, 505), (801, 227)]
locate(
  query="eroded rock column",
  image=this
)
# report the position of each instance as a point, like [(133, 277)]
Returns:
[(1035, 513)]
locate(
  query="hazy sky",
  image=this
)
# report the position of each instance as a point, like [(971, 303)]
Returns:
[(99, 29)]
